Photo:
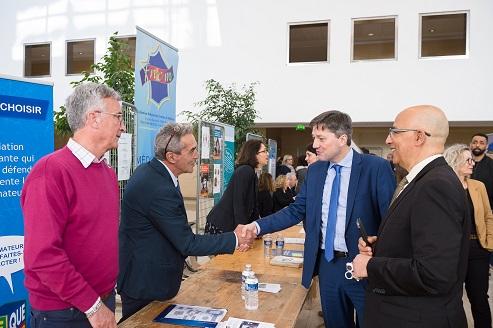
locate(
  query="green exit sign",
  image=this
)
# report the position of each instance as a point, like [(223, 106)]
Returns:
[(300, 127)]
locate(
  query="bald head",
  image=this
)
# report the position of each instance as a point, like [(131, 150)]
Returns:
[(419, 132), (430, 119)]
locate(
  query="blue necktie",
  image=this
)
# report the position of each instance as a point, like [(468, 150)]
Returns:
[(332, 217)]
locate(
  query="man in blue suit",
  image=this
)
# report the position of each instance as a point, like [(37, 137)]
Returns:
[(339, 188), (154, 234)]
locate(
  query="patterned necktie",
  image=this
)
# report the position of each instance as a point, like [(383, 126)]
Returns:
[(332, 217), (399, 188)]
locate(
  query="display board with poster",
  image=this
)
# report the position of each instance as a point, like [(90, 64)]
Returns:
[(26, 125), (156, 63), (216, 164)]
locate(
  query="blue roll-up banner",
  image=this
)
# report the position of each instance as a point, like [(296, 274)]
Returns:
[(156, 65), (26, 135)]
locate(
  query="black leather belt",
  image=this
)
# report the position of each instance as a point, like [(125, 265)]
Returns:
[(340, 254)]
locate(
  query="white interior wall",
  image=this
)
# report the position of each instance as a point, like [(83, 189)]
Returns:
[(245, 41)]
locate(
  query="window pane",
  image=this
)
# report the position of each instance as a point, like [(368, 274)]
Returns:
[(374, 39), (80, 56), (37, 60), (130, 49), (308, 43), (443, 35)]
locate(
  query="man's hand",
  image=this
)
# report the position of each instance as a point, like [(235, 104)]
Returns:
[(103, 318), (245, 236), (365, 249), (359, 266)]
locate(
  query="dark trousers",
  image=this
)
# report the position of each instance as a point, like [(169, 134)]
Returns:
[(477, 283), (340, 296), (65, 318), (130, 306)]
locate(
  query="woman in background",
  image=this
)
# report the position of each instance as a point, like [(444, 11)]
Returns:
[(238, 205), (305, 160), (281, 198), (481, 238), (265, 190)]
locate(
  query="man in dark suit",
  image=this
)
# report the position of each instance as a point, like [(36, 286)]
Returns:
[(154, 234), (419, 260), (340, 187)]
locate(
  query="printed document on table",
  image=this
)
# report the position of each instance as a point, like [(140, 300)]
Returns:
[(190, 315), (244, 323)]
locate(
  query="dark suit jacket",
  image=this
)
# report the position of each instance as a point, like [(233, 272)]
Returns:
[(371, 186), (420, 258), (281, 199), (155, 237), (265, 203), (238, 205)]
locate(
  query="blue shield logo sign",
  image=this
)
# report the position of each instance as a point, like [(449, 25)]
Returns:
[(157, 75)]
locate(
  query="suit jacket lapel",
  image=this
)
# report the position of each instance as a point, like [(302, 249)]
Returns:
[(353, 185), (159, 167), (436, 162), (319, 188)]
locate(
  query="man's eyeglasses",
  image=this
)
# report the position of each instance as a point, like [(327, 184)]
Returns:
[(176, 129), (119, 116), (394, 131)]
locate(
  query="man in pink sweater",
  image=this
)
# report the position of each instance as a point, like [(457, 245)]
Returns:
[(70, 205)]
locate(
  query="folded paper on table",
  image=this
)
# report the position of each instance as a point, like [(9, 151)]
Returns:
[(269, 288), (287, 261), (244, 323), (290, 240)]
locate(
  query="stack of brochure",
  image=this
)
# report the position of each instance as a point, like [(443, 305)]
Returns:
[(290, 240), (288, 252), (244, 323)]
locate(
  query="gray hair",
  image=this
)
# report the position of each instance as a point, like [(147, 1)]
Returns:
[(84, 97), (286, 158), (170, 136), (337, 122), (289, 175), (453, 155)]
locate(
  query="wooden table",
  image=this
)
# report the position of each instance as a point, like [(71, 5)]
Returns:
[(218, 284)]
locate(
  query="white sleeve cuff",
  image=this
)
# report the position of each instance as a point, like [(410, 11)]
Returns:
[(93, 307)]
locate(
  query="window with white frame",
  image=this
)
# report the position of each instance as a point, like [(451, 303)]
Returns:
[(374, 38), (37, 59), (80, 56), (443, 34), (309, 42)]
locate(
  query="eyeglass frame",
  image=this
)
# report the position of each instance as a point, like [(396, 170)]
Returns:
[(119, 116), (176, 129), (262, 151), (393, 131), (470, 161)]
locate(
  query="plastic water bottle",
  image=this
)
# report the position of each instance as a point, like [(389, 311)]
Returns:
[(267, 245), (279, 245), (244, 275), (251, 292)]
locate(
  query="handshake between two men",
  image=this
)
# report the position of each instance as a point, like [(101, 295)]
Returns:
[(246, 235)]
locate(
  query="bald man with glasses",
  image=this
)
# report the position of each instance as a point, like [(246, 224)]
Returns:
[(417, 265)]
